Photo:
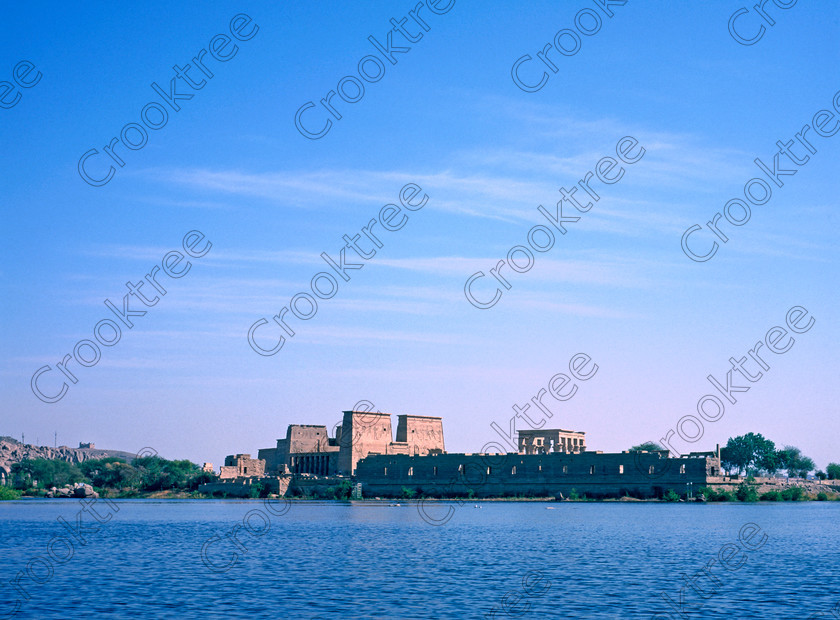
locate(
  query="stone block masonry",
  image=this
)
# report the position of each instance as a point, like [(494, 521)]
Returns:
[(241, 465), (596, 474)]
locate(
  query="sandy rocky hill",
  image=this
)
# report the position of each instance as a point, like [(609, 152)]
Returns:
[(12, 451)]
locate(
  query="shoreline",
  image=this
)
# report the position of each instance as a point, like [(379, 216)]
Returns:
[(400, 502)]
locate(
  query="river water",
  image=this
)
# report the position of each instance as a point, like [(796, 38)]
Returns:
[(143, 559)]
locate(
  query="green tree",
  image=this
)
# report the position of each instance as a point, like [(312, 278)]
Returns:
[(748, 453), (648, 446), (833, 471), (746, 493), (157, 473), (792, 494), (202, 477), (90, 467), (671, 496), (771, 496), (769, 461), (258, 489), (407, 493), (6, 493), (343, 490), (110, 473), (47, 473), (805, 466), (796, 463)]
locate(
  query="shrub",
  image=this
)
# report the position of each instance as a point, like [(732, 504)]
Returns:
[(407, 493), (725, 496), (6, 494), (573, 494), (822, 497), (746, 493), (201, 477), (670, 496), (771, 496), (344, 490), (792, 494), (258, 490), (716, 496)]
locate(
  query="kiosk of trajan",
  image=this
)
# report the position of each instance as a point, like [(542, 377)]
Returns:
[(549, 462)]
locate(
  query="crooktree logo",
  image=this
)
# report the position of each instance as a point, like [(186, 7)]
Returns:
[(61, 549), (370, 68), (107, 332), (646, 466), (758, 192), (566, 42), (154, 115), (520, 259), (8, 97), (256, 523), (323, 284), (760, 14), (359, 423), (146, 452)]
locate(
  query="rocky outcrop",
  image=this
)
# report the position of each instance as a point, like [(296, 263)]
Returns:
[(12, 451), (77, 490)]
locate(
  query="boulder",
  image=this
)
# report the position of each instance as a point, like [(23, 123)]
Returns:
[(85, 490)]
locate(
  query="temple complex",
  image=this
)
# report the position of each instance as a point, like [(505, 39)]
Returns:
[(543, 441), (365, 451)]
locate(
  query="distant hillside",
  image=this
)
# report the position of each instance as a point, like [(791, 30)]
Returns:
[(12, 451)]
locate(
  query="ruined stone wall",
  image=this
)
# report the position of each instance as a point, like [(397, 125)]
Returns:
[(241, 487), (499, 475), (423, 434), (242, 465), (227, 472)]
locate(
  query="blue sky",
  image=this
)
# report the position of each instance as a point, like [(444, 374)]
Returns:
[(446, 117)]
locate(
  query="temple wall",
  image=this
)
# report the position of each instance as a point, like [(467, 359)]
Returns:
[(423, 434), (499, 475), (306, 438), (273, 458), (369, 432)]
